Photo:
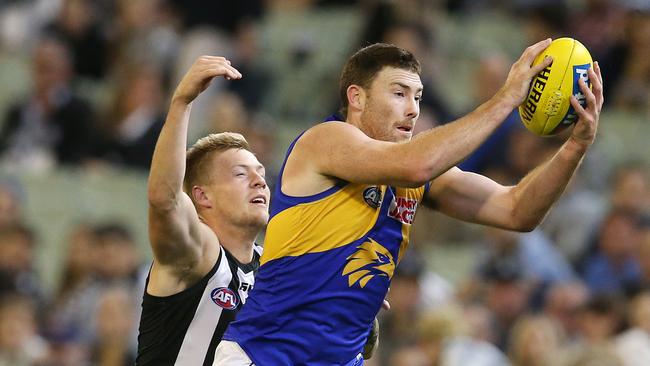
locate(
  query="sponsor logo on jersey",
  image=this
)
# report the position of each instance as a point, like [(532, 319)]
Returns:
[(372, 196), (403, 209), (225, 298), (370, 260)]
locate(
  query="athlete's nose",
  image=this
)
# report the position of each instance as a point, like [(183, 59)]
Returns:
[(413, 109), (258, 181)]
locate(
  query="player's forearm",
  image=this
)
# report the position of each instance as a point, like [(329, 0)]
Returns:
[(537, 192), (441, 148), (168, 163)]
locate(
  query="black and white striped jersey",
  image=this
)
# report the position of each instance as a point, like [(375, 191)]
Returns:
[(185, 328)]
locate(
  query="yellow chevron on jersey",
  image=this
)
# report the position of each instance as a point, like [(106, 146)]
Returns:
[(336, 220), (321, 225)]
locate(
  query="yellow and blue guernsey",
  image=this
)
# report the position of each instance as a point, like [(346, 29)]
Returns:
[(327, 264)]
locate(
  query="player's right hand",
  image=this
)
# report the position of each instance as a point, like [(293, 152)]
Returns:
[(522, 72), (199, 76)]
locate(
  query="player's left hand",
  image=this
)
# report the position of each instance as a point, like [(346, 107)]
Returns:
[(585, 129), (373, 340)]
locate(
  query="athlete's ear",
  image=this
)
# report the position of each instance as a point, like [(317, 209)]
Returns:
[(201, 197), (356, 97)]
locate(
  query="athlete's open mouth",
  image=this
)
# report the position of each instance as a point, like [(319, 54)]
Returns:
[(259, 200)]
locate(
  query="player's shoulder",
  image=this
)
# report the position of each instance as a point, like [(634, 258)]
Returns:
[(328, 126), (326, 131)]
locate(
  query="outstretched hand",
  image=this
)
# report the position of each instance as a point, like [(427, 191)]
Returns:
[(522, 72), (199, 76), (585, 129)]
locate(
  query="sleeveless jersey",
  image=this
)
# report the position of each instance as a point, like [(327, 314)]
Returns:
[(185, 328), (327, 264)]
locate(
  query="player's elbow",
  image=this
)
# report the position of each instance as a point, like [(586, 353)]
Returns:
[(427, 168), (525, 228), (525, 224), (413, 167), (415, 175)]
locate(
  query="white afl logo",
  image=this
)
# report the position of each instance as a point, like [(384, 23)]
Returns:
[(225, 298)]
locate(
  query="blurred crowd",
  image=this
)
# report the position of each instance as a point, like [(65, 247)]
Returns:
[(92, 79), (90, 318)]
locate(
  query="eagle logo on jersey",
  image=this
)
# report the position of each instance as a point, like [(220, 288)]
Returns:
[(370, 260)]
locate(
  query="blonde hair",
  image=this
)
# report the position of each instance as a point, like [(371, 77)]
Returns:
[(199, 155), (441, 324), (523, 333)]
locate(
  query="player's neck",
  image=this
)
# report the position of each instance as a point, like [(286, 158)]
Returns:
[(354, 120), (238, 240)]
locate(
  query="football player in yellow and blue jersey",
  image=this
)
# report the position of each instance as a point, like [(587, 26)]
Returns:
[(347, 195)]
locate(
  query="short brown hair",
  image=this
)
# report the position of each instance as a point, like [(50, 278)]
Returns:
[(200, 153), (365, 64)]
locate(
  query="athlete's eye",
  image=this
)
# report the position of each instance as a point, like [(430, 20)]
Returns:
[(399, 94)]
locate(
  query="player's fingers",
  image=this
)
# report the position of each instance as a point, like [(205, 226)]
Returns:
[(207, 61), (533, 51), (597, 71), (596, 87), (233, 72), (211, 62), (589, 95), (219, 62), (594, 79), (600, 75), (224, 70), (582, 113), (220, 59), (385, 305), (548, 60)]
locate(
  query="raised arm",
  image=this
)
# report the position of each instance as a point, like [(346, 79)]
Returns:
[(175, 231), (343, 151), (472, 197)]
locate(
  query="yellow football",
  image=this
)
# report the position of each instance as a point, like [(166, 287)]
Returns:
[(547, 109)]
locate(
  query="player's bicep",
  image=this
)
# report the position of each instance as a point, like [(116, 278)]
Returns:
[(175, 233), (472, 197), (340, 150)]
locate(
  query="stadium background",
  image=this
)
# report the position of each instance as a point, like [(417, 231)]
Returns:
[(73, 237)]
